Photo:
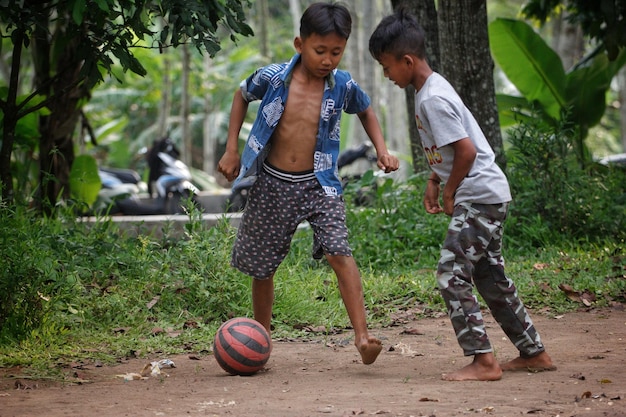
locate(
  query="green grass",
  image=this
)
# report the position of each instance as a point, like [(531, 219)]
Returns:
[(72, 292)]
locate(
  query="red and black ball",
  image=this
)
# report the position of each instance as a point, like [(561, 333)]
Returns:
[(242, 346)]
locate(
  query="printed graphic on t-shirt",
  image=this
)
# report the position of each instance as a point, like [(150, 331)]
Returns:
[(272, 112), (335, 132), (328, 109), (330, 190), (420, 126), (322, 161), (254, 144), (433, 155)]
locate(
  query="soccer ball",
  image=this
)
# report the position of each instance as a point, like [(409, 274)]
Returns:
[(242, 346)]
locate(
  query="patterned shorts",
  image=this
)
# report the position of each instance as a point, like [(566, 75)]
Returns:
[(277, 203)]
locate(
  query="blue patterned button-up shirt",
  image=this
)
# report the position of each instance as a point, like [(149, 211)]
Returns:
[(270, 84)]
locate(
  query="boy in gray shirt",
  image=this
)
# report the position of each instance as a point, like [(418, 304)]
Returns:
[(475, 194)]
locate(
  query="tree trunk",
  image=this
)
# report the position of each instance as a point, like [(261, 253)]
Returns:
[(264, 20), (165, 105), (56, 145), (56, 148), (467, 63), (426, 14), (9, 122), (353, 61), (209, 142), (296, 13), (567, 40), (186, 142)]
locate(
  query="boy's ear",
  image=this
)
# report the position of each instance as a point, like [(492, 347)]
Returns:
[(297, 44), (409, 60)]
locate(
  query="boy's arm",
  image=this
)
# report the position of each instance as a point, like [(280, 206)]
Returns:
[(431, 195), (464, 156), (230, 162), (386, 162)]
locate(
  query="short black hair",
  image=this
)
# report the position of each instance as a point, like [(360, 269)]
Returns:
[(325, 18), (398, 34)]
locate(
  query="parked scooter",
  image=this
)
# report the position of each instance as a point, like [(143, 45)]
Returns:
[(169, 184), (363, 152), (117, 184)]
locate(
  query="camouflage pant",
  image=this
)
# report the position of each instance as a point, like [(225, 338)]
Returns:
[(472, 255)]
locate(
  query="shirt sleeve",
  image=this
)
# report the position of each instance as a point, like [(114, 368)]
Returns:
[(357, 100), (444, 121), (254, 87)]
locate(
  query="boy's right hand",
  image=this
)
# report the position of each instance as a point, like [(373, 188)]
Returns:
[(431, 198), (229, 165), (388, 163)]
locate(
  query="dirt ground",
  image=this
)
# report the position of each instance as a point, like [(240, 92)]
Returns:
[(323, 377)]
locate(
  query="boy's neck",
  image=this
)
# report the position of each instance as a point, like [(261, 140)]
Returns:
[(422, 72), (305, 76)]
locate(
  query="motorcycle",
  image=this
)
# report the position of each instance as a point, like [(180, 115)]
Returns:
[(117, 184), (169, 187), (363, 152)]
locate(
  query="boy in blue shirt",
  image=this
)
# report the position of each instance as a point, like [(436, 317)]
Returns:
[(292, 151)]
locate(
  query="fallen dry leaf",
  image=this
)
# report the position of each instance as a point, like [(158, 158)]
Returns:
[(570, 292), (587, 298), (405, 350), (152, 302)]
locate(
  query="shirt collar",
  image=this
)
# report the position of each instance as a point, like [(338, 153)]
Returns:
[(286, 76)]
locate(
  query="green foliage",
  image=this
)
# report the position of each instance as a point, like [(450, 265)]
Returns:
[(554, 198), (576, 100), (394, 231), (84, 180), (137, 101), (530, 64), (602, 20), (91, 291), (77, 59)]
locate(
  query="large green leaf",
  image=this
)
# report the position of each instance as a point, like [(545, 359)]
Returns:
[(587, 86), (512, 109), (84, 179), (529, 63)]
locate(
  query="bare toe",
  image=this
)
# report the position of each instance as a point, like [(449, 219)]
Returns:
[(369, 350)]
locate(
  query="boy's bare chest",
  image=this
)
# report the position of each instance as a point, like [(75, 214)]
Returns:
[(305, 102)]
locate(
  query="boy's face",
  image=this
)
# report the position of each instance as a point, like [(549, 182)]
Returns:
[(320, 53), (398, 70)]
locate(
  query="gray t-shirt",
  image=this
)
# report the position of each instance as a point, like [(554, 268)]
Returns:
[(442, 119)]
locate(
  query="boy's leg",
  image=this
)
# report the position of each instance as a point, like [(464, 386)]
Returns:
[(500, 294), (461, 248), (263, 301), (351, 289)]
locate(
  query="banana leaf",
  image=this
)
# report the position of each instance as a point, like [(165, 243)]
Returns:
[(530, 64)]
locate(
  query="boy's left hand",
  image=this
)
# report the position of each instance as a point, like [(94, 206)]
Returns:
[(388, 163)]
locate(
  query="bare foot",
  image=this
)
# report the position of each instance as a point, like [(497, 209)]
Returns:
[(539, 363), (369, 350), (483, 368)]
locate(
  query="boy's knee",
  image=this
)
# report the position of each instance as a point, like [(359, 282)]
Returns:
[(340, 261)]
